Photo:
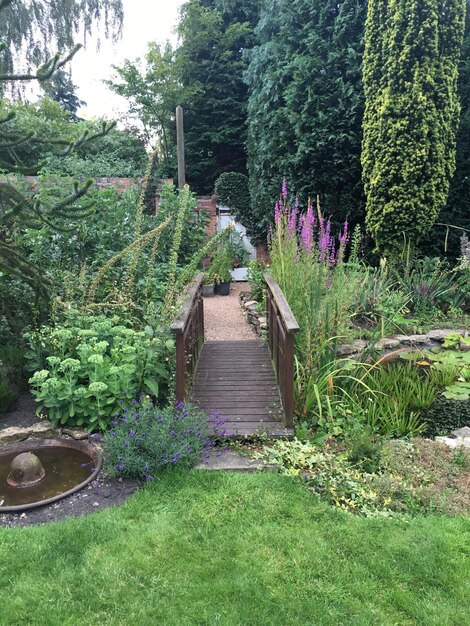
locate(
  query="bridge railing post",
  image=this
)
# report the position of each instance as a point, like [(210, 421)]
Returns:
[(188, 329), (282, 327)]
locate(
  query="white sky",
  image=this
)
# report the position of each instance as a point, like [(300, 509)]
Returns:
[(144, 21)]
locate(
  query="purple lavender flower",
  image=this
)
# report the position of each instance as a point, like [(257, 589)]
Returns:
[(149, 477)]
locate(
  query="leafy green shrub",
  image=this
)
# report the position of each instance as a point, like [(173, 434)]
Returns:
[(365, 451), (145, 440), (445, 415), (91, 366), (255, 277)]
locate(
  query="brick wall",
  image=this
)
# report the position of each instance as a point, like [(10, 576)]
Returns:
[(121, 184), (208, 205)]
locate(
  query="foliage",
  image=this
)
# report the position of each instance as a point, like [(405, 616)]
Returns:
[(446, 415), (20, 210), (407, 477), (148, 439), (7, 392), (204, 75), (90, 366), (153, 92), (118, 154), (61, 89), (255, 277), (411, 116), (214, 35), (221, 265), (31, 26), (307, 263), (305, 107), (232, 190), (444, 237)]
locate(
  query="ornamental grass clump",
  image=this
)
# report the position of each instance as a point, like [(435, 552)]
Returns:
[(147, 439)]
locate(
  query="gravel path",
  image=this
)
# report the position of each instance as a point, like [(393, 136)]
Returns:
[(224, 319)]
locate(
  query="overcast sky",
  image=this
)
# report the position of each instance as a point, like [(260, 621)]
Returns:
[(144, 21)]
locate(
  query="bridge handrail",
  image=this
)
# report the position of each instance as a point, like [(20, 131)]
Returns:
[(188, 328), (282, 327)]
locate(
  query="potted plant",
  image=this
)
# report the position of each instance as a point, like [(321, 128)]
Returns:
[(208, 285), (220, 271)]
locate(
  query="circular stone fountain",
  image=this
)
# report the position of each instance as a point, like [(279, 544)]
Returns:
[(38, 472)]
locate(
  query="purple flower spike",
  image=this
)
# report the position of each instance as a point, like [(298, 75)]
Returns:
[(284, 189), (277, 212)]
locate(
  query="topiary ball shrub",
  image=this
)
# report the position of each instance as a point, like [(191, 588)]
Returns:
[(445, 415), (147, 439)]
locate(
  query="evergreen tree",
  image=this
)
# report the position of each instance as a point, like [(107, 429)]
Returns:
[(410, 72), (214, 35), (456, 213), (61, 89), (305, 106), (19, 210)]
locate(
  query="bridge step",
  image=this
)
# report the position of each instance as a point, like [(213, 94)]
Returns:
[(237, 380)]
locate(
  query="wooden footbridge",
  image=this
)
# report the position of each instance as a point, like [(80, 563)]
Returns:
[(246, 387)]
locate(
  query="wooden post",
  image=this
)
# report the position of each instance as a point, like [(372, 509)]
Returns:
[(180, 147), (180, 368)]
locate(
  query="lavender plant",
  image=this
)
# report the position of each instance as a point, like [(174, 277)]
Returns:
[(145, 440)]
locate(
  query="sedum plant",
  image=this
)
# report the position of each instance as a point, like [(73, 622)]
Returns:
[(91, 366)]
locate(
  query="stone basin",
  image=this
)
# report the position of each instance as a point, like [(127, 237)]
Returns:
[(37, 472)]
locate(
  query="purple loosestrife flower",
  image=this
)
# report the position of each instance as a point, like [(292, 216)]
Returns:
[(277, 212), (343, 237), (284, 189), (306, 234), (292, 223), (325, 240)]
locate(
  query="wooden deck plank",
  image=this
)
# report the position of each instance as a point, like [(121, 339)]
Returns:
[(236, 380)]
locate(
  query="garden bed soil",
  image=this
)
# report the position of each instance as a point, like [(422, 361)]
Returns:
[(101, 493), (22, 414)]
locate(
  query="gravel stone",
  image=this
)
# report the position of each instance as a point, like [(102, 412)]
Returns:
[(224, 319)]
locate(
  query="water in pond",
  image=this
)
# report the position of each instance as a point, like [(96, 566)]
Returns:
[(65, 468)]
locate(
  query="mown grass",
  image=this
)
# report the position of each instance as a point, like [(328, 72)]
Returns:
[(205, 548)]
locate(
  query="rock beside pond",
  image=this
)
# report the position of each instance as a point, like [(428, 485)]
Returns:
[(441, 334), (40, 430), (411, 339), (457, 438)]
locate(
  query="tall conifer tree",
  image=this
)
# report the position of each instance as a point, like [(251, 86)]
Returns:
[(410, 72)]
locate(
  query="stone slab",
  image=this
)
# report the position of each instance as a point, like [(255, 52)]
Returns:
[(40, 430), (455, 442), (231, 461)]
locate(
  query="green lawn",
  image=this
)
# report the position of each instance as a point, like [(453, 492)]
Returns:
[(229, 549)]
